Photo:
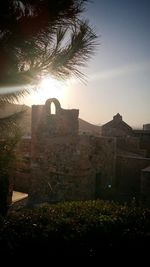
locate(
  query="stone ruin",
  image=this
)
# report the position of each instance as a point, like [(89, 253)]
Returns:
[(57, 163), (63, 164)]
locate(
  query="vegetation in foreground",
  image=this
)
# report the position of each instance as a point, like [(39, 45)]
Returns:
[(74, 228)]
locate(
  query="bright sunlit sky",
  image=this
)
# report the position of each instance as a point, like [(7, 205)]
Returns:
[(118, 75)]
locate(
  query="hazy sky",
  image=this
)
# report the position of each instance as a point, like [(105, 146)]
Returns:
[(118, 76)]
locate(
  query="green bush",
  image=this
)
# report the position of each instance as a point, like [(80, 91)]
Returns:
[(81, 227)]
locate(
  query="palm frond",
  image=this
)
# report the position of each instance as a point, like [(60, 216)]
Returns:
[(66, 61), (59, 48), (7, 98)]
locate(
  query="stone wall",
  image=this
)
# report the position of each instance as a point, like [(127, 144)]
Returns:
[(65, 165), (144, 140), (128, 177), (66, 168), (45, 124), (130, 144), (145, 186), (22, 178), (55, 163), (145, 144), (58, 164)]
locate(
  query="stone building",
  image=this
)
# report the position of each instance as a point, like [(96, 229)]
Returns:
[(146, 127), (132, 155), (145, 185), (144, 139), (116, 127), (57, 163), (63, 164)]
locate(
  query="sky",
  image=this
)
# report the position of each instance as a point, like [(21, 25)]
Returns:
[(118, 75)]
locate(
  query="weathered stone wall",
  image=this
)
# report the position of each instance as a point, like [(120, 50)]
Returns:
[(145, 186), (66, 168), (45, 124), (58, 164), (22, 178), (55, 169), (54, 141), (145, 144), (130, 144), (128, 176), (102, 155), (64, 164)]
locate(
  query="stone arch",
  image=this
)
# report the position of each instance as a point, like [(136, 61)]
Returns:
[(48, 105)]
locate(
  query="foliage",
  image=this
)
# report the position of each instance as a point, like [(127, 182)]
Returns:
[(75, 228), (7, 167), (39, 39)]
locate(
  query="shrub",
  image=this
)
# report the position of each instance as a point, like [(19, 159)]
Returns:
[(81, 227)]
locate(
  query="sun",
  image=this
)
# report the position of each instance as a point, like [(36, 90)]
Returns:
[(51, 88), (48, 88)]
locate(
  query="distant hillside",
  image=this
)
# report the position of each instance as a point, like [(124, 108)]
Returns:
[(25, 122), (86, 127)]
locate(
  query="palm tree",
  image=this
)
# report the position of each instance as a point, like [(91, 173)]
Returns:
[(39, 38)]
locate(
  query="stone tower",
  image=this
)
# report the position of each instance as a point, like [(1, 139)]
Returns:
[(64, 164), (54, 138), (63, 122)]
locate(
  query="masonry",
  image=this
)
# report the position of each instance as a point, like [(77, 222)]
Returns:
[(63, 164), (56, 163)]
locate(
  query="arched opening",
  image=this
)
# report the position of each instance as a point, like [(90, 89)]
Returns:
[(52, 108)]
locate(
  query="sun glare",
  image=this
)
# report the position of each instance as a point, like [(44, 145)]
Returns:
[(49, 88)]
